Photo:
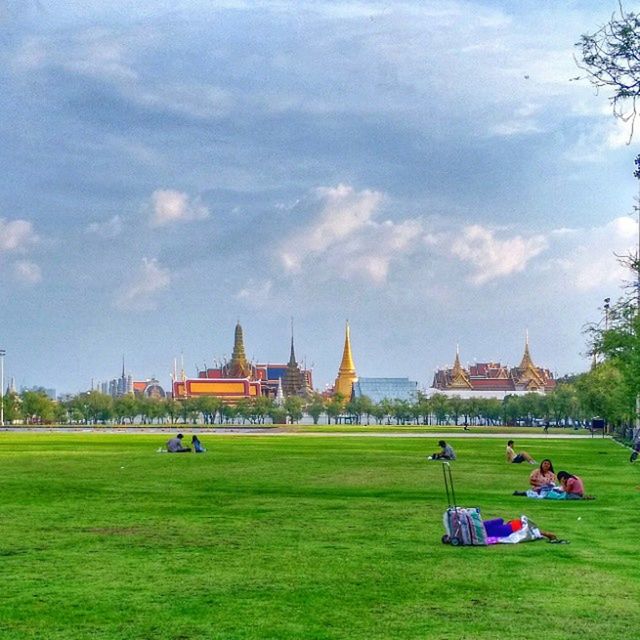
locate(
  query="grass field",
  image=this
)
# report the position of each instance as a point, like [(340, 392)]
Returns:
[(292, 537)]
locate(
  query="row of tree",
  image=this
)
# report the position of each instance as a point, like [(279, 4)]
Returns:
[(576, 400)]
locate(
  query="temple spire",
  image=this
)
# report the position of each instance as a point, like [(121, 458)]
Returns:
[(239, 366), (459, 376), (529, 376), (347, 371), (527, 362), (292, 356)]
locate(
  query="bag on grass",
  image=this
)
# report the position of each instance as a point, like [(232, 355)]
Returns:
[(466, 525)]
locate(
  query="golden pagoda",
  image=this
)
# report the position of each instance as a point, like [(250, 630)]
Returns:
[(528, 376), (347, 372), (459, 377), (239, 366)]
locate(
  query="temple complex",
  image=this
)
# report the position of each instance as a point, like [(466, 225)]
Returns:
[(240, 379), (494, 379), (347, 371)]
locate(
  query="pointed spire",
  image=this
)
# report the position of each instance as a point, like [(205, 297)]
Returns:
[(526, 362), (292, 356), (239, 367), (279, 394), (459, 376), (347, 364), (123, 366), (347, 371), (457, 367), (530, 376)]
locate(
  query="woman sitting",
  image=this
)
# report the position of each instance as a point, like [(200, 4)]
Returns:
[(573, 486), (197, 445), (544, 476)]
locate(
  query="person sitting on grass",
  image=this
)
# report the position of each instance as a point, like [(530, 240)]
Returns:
[(197, 445), (544, 476), (446, 452), (573, 486), (175, 445), (517, 458)]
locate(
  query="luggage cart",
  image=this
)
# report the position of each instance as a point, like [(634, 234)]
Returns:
[(463, 525)]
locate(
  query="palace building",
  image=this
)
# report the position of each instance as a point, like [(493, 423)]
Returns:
[(492, 379), (240, 379)]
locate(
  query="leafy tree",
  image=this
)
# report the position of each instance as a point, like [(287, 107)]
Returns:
[(294, 405), (440, 407), (456, 408), (172, 409), (603, 393), (334, 407), (278, 415), (261, 408), (12, 407), (228, 413), (611, 59), (315, 407), (37, 407)]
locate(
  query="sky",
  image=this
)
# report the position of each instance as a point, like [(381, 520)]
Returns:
[(431, 171)]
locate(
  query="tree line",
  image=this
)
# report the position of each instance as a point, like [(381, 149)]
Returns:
[(574, 401)]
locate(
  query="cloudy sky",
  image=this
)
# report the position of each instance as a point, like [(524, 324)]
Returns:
[(429, 170)]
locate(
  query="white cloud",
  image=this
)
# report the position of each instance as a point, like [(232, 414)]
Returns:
[(27, 272), (492, 257), (145, 285), (588, 259), (344, 212), (344, 240), (169, 206), (16, 236), (256, 293), (109, 229)]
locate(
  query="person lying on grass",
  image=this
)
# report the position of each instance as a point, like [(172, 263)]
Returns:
[(543, 476), (517, 458), (446, 452)]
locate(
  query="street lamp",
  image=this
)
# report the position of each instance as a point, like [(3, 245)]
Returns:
[(607, 306), (2, 354)]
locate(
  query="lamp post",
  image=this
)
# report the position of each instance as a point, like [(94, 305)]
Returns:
[(2, 354), (607, 306)]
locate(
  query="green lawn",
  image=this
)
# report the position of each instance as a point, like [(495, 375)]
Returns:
[(292, 537)]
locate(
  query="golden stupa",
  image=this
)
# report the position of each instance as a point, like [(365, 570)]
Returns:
[(347, 372)]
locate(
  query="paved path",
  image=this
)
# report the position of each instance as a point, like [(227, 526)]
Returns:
[(256, 431)]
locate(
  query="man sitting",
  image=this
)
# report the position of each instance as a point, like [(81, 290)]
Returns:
[(175, 445), (517, 458)]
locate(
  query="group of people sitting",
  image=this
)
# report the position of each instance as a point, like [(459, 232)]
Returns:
[(544, 481), (174, 445), (546, 484)]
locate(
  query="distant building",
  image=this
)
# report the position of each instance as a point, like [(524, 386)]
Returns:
[(378, 389), (150, 388), (240, 379), (492, 379), (116, 387), (50, 393)]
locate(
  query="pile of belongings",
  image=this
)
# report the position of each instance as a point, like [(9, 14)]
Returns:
[(464, 526)]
